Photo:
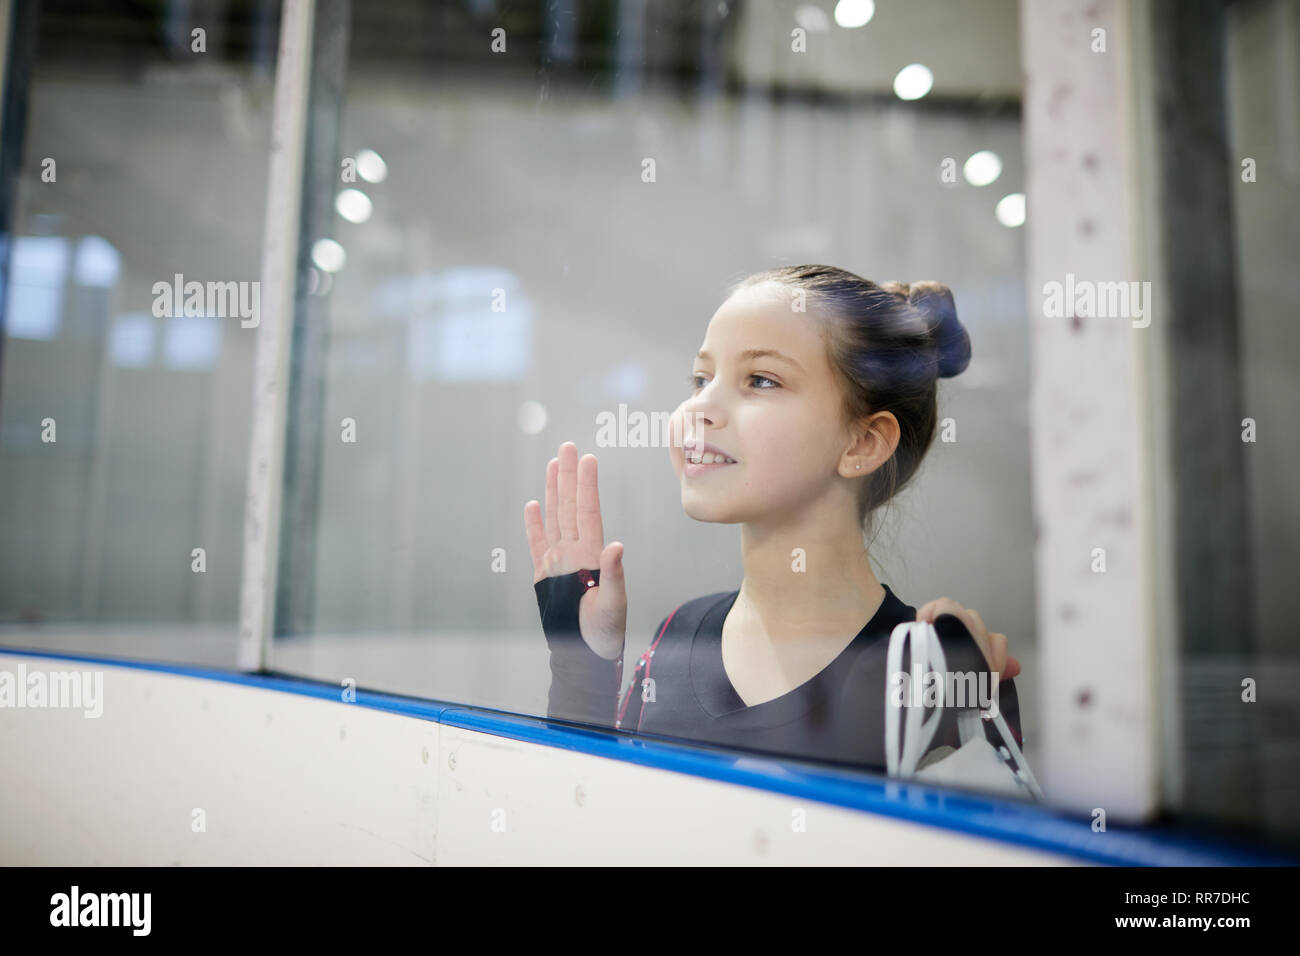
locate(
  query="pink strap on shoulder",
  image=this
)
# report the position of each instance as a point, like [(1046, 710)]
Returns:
[(644, 662)]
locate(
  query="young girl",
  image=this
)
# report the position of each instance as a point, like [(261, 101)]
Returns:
[(813, 402)]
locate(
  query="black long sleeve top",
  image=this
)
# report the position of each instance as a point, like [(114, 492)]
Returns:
[(681, 689)]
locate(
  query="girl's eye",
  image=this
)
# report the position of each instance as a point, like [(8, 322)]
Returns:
[(693, 381)]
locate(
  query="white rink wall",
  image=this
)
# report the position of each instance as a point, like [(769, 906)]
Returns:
[(289, 779)]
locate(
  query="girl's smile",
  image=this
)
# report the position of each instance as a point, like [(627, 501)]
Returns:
[(691, 469), (700, 457)]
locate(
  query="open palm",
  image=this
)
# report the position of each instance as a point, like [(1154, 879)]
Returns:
[(572, 538)]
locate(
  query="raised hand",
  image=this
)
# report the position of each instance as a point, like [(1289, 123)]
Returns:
[(573, 538)]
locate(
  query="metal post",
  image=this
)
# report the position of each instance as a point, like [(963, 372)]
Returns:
[(271, 371), (1093, 499)]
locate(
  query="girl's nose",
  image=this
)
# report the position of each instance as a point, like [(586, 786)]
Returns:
[(701, 409), (700, 414), (691, 418)]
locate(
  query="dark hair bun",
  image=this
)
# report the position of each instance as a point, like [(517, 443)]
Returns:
[(952, 345)]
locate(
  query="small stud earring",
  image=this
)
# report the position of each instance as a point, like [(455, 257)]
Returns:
[(857, 466)]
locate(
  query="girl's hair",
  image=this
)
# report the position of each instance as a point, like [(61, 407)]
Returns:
[(888, 345)]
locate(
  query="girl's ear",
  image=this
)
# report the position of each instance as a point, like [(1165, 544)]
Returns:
[(878, 436), (887, 428)]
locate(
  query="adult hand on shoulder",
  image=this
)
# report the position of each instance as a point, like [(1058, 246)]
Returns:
[(994, 645), (573, 538)]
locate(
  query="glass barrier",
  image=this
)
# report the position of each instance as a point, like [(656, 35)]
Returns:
[(521, 226), (130, 296)]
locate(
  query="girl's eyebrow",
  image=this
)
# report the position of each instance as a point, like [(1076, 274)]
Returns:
[(756, 353)]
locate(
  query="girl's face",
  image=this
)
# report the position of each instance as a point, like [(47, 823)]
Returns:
[(764, 394)]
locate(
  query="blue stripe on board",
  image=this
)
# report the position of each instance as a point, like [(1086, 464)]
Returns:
[(1025, 825)]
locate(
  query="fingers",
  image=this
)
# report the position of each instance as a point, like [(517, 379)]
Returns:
[(938, 606), (552, 507), (589, 524), (1012, 669), (537, 543), (572, 504), (567, 492), (997, 650), (994, 655), (1001, 661)]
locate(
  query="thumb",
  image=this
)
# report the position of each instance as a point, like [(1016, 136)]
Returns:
[(612, 588)]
